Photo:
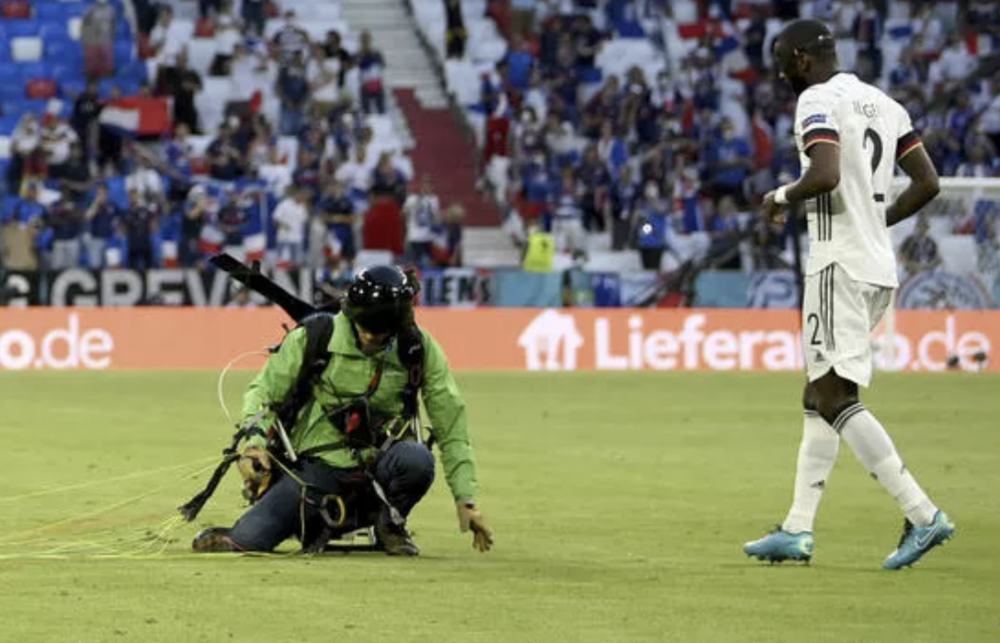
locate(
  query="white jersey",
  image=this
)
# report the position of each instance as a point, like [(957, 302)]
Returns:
[(847, 226)]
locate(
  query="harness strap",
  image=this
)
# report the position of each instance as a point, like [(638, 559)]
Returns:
[(192, 507)]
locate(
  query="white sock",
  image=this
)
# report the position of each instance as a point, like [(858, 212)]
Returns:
[(817, 455), (875, 451)]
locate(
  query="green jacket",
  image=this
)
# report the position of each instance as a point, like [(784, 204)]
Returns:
[(346, 377)]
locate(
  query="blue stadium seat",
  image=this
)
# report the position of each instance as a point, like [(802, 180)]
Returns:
[(122, 28), (37, 106), (22, 28), (123, 52), (63, 73), (4, 50), (53, 29), (70, 88), (13, 105), (35, 70), (59, 11), (11, 92), (12, 79), (135, 71), (62, 48), (8, 123)]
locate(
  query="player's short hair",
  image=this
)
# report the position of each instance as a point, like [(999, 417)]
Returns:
[(810, 37)]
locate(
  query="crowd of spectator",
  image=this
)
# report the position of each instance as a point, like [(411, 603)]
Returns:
[(293, 193), (675, 164)]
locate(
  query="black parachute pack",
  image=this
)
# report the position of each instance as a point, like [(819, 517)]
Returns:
[(353, 418)]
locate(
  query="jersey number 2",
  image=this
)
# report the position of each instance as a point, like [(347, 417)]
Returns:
[(813, 319), (876, 140)]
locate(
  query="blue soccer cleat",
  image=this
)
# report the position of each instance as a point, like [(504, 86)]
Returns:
[(779, 545), (917, 541)]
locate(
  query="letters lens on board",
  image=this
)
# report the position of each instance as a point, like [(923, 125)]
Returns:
[(126, 287)]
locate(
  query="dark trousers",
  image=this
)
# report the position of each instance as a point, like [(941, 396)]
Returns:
[(405, 473), (253, 16), (373, 102)]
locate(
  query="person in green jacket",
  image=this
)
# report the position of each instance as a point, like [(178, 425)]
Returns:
[(357, 461)]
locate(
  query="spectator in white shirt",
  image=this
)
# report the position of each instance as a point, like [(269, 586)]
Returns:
[(322, 74), (146, 180), (247, 73), (356, 173), (290, 219), (955, 63), (168, 38), (422, 212), (57, 139)]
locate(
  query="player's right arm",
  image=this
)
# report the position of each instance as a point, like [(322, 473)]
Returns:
[(274, 382), (820, 135), (922, 188)]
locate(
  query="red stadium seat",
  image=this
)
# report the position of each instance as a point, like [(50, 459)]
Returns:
[(15, 9), (41, 88)]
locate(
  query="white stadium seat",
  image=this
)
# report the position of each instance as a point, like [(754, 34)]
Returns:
[(26, 49)]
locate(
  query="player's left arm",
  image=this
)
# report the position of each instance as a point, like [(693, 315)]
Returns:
[(914, 160), (923, 185)]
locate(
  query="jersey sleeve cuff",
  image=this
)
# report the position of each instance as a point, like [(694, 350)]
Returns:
[(820, 135), (907, 143)]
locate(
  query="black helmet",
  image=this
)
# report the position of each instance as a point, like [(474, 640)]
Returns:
[(380, 299)]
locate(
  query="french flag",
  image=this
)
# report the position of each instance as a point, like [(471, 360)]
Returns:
[(136, 116), (254, 246), (211, 240), (169, 253)]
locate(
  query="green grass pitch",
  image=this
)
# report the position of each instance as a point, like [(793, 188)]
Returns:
[(620, 503)]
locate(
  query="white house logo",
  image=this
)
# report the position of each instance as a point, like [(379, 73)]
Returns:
[(940, 290), (551, 342)]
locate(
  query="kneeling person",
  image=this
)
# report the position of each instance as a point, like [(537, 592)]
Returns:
[(357, 464)]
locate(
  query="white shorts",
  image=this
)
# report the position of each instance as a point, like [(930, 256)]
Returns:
[(838, 315)]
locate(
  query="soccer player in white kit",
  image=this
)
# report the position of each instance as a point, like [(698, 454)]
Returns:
[(850, 135)]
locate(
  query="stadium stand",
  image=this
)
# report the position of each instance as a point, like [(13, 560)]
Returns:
[(683, 95), (641, 133)]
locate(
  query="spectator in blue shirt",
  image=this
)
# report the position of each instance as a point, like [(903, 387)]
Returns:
[(371, 65), (586, 41), (293, 90), (729, 164), (65, 223), (651, 227), (905, 74), (29, 211), (227, 162), (520, 62), (178, 165), (101, 216), (338, 213), (140, 223), (621, 205), (960, 117), (593, 174)]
